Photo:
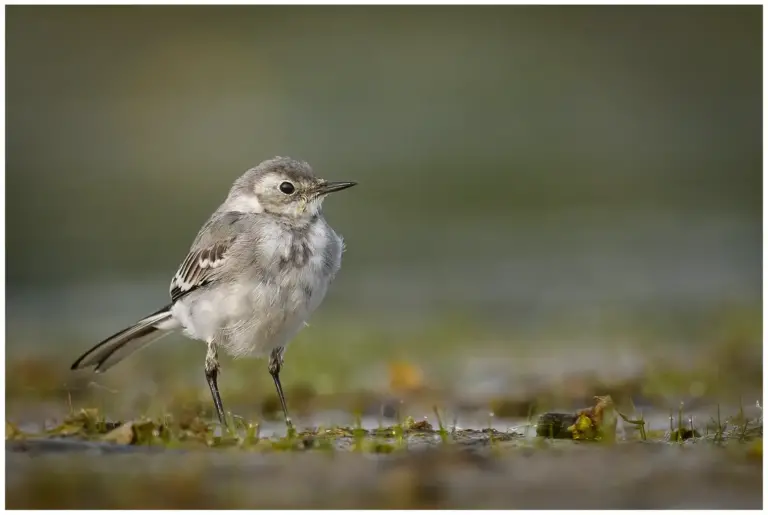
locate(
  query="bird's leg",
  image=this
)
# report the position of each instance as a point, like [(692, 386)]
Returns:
[(211, 374), (275, 364)]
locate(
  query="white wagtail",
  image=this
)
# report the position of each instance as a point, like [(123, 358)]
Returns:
[(257, 270)]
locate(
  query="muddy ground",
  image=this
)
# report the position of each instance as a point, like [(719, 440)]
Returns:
[(410, 465), (488, 456)]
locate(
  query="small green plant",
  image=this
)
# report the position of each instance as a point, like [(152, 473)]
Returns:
[(490, 429), (743, 422), (640, 422), (359, 433), (529, 419), (444, 437), (291, 431), (720, 428), (399, 433), (251, 436)]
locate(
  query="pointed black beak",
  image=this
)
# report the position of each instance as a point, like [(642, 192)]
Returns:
[(330, 187)]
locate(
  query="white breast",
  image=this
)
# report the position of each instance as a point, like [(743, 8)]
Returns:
[(266, 314)]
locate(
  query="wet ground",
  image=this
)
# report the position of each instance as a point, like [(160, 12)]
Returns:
[(561, 476), (488, 392), (88, 462)]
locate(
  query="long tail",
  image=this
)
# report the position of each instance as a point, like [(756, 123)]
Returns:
[(118, 346)]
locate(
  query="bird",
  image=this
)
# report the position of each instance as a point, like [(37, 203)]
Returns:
[(257, 270)]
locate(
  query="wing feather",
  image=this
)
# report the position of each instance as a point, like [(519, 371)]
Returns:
[(199, 267)]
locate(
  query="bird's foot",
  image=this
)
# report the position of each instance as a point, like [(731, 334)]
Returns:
[(291, 429)]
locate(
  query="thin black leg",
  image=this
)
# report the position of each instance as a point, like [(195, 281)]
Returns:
[(211, 374), (275, 363)]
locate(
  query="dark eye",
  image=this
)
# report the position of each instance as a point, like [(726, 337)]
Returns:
[(287, 188)]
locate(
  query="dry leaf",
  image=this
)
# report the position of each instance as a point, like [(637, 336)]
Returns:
[(123, 435), (597, 422), (405, 377)]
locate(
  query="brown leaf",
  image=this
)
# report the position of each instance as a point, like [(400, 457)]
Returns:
[(123, 435)]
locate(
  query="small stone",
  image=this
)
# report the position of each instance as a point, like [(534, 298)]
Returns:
[(555, 425), (683, 434)]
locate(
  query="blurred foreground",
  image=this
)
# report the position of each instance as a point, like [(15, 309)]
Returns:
[(90, 463), (636, 476)]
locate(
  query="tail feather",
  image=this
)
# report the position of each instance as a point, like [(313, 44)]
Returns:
[(112, 350)]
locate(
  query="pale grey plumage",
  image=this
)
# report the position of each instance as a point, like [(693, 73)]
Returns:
[(266, 279), (256, 271)]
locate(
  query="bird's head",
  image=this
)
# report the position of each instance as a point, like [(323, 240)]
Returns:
[(281, 186)]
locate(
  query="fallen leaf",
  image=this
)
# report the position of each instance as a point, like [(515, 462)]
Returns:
[(405, 377), (597, 422), (123, 435)]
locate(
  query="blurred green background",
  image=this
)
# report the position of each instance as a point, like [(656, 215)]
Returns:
[(535, 182)]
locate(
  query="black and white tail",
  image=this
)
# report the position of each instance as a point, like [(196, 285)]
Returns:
[(118, 346)]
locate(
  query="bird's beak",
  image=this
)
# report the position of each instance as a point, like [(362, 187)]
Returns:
[(330, 187)]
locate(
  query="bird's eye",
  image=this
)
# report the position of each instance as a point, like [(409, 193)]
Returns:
[(287, 188)]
